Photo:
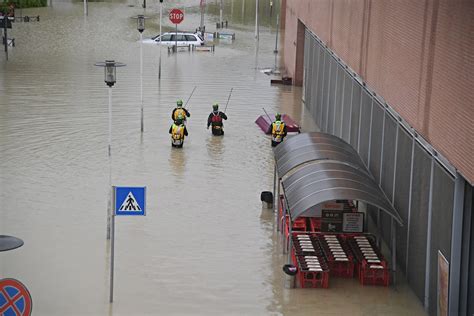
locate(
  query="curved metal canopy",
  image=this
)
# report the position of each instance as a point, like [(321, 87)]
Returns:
[(307, 147), (332, 180)]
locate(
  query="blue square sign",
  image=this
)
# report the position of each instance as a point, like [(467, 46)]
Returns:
[(130, 201)]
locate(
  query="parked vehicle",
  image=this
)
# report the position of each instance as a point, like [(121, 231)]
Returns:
[(170, 39)]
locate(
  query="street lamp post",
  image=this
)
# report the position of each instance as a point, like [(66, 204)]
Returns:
[(161, 15), (220, 15), (141, 27), (256, 21), (202, 5), (110, 77)]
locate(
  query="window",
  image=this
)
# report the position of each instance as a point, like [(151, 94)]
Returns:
[(166, 37), (190, 38)]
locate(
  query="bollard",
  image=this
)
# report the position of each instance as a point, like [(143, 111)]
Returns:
[(217, 25), (222, 24), (226, 23), (267, 199), (290, 275)]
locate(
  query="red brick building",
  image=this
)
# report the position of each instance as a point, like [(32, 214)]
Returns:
[(395, 79), (419, 55)]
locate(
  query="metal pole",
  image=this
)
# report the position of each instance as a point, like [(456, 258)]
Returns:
[(5, 22), (428, 241), (141, 80), (290, 242), (394, 251), (276, 37), (112, 250), (220, 12), (278, 197), (230, 93), (275, 206), (283, 226), (256, 20), (379, 219), (202, 17), (109, 206), (85, 7), (159, 65), (410, 195), (456, 247), (370, 132), (176, 38), (144, 4)]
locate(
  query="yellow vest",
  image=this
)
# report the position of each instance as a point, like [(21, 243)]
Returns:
[(177, 134), (179, 112), (278, 131)]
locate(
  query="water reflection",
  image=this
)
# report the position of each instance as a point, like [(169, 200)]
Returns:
[(215, 148), (177, 160)]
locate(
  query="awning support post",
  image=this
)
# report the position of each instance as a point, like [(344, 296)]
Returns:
[(379, 235), (394, 250), (278, 201), (275, 208), (290, 242)]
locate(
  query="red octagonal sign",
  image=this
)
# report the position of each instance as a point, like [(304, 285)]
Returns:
[(176, 16)]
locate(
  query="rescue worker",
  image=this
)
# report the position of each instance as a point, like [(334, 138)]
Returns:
[(179, 111), (215, 120), (278, 130), (178, 131)]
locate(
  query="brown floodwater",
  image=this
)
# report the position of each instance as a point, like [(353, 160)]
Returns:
[(206, 246)]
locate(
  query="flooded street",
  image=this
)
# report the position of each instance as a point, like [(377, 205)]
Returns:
[(205, 246)]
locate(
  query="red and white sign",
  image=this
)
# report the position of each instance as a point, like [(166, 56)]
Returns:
[(176, 16), (14, 298)]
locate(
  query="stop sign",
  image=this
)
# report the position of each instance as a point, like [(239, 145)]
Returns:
[(176, 16)]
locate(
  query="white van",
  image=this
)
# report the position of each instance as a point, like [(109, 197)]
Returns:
[(170, 39)]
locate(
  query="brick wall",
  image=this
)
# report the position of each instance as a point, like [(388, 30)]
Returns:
[(418, 55)]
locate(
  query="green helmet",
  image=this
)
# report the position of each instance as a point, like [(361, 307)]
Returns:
[(215, 106), (179, 103), (278, 116)]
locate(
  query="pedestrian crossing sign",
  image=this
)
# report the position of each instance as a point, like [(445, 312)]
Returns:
[(130, 201)]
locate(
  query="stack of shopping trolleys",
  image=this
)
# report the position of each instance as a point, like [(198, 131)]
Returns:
[(320, 255)]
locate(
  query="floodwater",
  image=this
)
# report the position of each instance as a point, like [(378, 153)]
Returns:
[(206, 246)]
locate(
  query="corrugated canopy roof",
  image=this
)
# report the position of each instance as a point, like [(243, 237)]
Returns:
[(337, 173), (328, 181), (307, 147)]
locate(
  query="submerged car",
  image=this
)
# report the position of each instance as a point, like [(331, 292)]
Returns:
[(170, 39)]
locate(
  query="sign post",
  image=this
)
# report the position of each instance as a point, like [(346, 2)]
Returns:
[(128, 201), (176, 16)]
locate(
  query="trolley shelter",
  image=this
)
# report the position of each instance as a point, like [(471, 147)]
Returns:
[(314, 168)]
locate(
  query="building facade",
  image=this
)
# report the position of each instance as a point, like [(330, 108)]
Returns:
[(395, 80)]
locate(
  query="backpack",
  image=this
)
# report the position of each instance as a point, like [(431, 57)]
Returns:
[(216, 118)]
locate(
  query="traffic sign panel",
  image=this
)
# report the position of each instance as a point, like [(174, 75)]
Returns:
[(14, 298), (130, 201), (176, 16)]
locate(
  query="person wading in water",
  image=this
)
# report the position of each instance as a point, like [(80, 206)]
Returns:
[(215, 120)]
